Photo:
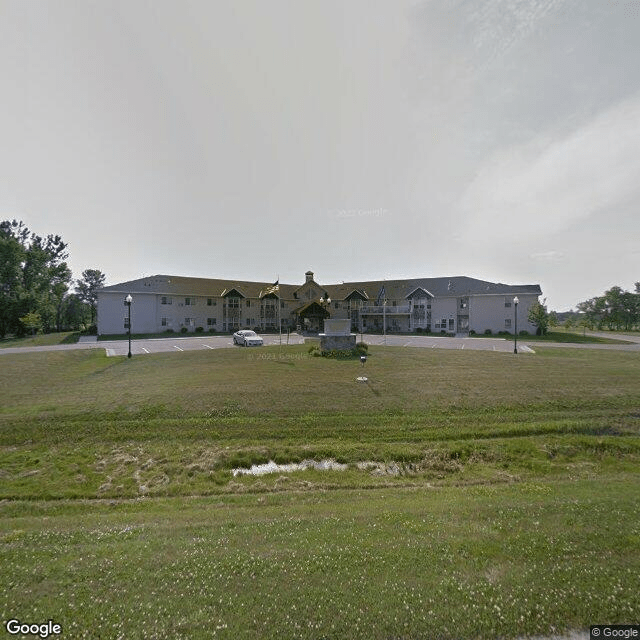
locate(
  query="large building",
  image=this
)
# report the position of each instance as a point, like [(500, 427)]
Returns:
[(438, 305)]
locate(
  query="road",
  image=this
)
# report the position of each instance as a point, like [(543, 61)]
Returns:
[(199, 343)]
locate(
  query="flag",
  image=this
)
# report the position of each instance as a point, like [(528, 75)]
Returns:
[(274, 287)]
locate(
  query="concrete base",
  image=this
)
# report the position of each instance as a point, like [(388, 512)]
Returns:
[(339, 343)]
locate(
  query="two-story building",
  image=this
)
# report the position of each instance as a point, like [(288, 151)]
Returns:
[(439, 305)]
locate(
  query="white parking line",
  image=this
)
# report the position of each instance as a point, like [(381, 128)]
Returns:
[(462, 347), (209, 346), (145, 350), (407, 344), (177, 347)]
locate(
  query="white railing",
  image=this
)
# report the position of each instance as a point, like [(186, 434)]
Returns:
[(379, 309)]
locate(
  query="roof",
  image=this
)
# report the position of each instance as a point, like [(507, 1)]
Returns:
[(455, 286)]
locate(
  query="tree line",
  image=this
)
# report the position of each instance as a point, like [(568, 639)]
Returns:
[(36, 282), (616, 309)]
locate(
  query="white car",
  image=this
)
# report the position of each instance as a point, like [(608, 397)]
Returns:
[(247, 338)]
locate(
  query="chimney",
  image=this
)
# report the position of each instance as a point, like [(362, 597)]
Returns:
[(309, 276)]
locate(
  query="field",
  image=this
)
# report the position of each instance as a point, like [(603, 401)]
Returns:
[(480, 494)]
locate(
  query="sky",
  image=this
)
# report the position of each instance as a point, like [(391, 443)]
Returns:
[(358, 139)]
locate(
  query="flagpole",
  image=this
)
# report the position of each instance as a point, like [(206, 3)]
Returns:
[(279, 305)]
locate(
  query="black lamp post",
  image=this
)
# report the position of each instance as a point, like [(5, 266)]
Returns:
[(325, 304), (515, 343), (128, 301)]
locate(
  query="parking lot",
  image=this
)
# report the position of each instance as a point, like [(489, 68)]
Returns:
[(191, 343), (180, 344)]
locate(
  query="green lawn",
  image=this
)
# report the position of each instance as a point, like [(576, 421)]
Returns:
[(503, 500), (41, 340)]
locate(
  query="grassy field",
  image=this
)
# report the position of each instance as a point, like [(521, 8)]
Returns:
[(485, 495), (41, 339)]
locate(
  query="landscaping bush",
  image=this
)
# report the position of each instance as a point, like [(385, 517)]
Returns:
[(524, 332), (199, 329), (184, 330), (488, 332)]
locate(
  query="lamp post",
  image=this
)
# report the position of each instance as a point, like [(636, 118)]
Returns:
[(324, 304), (128, 300), (515, 343)]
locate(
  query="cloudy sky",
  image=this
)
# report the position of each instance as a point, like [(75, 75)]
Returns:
[(361, 139)]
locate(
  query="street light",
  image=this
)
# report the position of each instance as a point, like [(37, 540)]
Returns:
[(128, 300), (325, 303), (515, 343)]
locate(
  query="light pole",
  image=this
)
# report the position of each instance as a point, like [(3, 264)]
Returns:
[(324, 304), (128, 300), (515, 335)]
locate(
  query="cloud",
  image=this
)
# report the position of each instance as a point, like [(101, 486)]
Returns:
[(547, 256), (546, 186)]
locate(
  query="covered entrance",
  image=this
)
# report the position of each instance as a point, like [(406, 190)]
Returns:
[(311, 317)]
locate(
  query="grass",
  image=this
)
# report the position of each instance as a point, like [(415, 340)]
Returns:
[(559, 334), (41, 339), (504, 502)]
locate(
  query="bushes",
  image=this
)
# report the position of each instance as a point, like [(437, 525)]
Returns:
[(361, 349)]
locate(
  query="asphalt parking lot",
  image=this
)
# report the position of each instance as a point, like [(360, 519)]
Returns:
[(210, 343)]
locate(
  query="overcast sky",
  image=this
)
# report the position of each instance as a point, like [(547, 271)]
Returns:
[(361, 139)]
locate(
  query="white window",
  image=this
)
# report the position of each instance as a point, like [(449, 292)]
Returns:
[(507, 302), (211, 302), (126, 323), (188, 322), (189, 302), (166, 300), (507, 323), (165, 322), (211, 322)]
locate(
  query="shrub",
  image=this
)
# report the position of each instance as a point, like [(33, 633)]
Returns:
[(488, 332), (184, 330), (524, 332), (199, 329), (472, 332), (419, 330)]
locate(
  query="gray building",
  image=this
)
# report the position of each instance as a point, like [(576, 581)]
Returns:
[(438, 305)]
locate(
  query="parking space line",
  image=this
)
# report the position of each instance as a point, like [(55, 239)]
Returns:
[(209, 346), (145, 350), (177, 347)]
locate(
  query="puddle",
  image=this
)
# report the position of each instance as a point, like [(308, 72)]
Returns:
[(375, 468)]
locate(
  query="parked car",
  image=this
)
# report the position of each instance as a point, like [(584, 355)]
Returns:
[(247, 338)]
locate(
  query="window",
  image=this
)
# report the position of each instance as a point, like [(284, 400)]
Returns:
[(188, 322), (248, 303), (451, 324), (126, 323), (507, 302), (507, 323), (164, 322), (166, 300), (211, 302), (189, 302), (211, 322)]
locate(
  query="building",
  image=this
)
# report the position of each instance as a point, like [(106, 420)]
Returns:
[(438, 305)]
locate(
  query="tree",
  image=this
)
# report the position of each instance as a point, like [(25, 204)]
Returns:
[(87, 287), (32, 322), (34, 277), (539, 316)]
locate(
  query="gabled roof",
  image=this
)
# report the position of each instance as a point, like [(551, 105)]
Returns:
[(455, 286)]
